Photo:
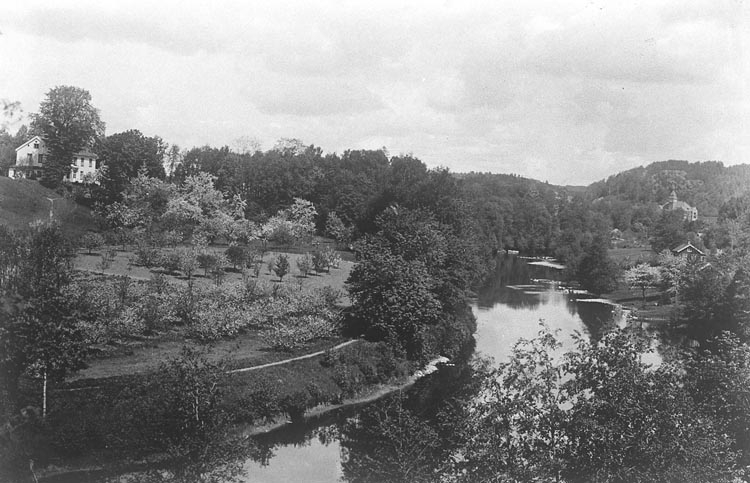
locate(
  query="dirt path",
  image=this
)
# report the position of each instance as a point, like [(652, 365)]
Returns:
[(299, 358)]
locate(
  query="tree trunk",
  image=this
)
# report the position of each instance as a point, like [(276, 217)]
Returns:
[(44, 396)]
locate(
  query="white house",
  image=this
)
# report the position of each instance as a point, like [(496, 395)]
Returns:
[(30, 158), (690, 213)]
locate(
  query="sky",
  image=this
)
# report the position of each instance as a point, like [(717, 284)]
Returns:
[(566, 92)]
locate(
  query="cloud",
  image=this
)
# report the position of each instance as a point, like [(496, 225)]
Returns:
[(568, 91), (70, 24), (313, 97)]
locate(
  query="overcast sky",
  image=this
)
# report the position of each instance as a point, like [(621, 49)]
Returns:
[(566, 91)]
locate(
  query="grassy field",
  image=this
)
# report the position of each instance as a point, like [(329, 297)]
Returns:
[(24, 201), (631, 256)]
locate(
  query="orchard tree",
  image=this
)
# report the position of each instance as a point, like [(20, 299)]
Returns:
[(281, 266), (92, 241), (68, 122), (304, 264), (188, 261), (642, 276), (237, 255)]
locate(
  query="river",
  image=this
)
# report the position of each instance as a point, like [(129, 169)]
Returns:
[(508, 307)]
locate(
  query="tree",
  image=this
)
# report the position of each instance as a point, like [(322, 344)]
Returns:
[(188, 261), (304, 264), (596, 272), (281, 266), (393, 300), (336, 229), (177, 411), (237, 255), (319, 261), (669, 231), (40, 336), (643, 276), (91, 241), (127, 154), (68, 122), (601, 414)]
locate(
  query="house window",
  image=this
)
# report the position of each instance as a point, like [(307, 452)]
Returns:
[(91, 163), (36, 145), (30, 158), (41, 158)]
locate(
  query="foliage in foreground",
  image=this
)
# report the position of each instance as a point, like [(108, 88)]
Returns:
[(597, 414)]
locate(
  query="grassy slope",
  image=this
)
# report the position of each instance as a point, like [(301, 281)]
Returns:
[(24, 201)]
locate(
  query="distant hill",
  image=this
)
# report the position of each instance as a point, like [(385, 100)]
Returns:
[(705, 185), (24, 201)]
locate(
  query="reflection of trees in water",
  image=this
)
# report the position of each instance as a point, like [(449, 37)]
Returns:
[(509, 270), (598, 318), (512, 271), (410, 436)]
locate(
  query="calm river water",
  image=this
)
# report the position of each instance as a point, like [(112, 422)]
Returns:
[(508, 307)]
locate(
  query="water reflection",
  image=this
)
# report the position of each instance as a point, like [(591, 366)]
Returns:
[(379, 442), (519, 296)]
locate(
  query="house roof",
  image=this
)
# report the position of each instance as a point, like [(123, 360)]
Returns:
[(35, 138), (83, 152), (686, 246)]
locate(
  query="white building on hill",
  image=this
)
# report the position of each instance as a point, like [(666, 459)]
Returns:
[(690, 212), (30, 158)]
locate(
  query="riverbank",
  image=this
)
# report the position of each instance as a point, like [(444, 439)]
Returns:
[(92, 472)]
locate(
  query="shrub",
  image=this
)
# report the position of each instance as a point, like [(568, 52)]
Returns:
[(299, 331), (295, 404)]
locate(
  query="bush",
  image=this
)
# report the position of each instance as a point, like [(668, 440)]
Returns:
[(298, 331)]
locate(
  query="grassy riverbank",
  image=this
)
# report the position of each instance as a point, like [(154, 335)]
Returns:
[(87, 428)]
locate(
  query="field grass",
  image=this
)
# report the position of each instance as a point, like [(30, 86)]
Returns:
[(631, 256), (24, 201)]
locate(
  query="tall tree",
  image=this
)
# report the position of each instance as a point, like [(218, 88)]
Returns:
[(124, 155), (596, 271), (68, 122), (40, 335)]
